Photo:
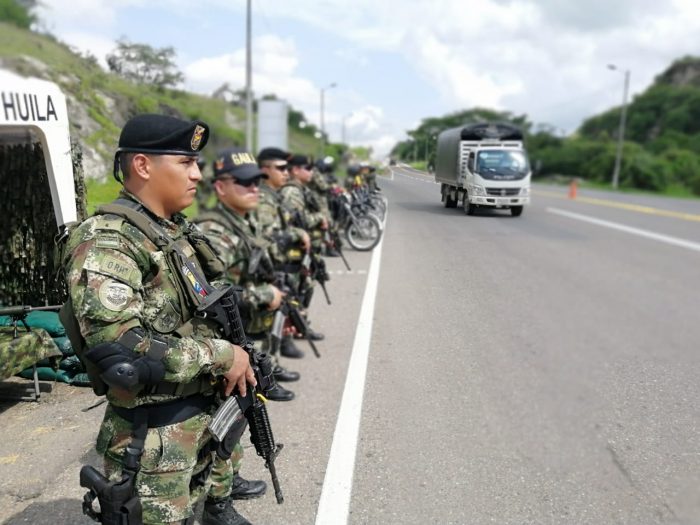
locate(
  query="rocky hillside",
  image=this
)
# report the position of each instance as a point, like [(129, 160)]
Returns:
[(99, 102)]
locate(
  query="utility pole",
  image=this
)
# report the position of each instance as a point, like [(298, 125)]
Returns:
[(323, 124), (621, 132), (248, 80)]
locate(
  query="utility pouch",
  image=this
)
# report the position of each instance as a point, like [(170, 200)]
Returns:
[(119, 500), (206, 255)]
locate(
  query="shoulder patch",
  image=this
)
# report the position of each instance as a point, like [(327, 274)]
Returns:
[(108, 241), (115, 296), (115, 265), (109, 222)]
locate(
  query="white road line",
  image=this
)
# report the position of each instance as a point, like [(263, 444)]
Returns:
[(675, 241), (429, 181), (334, 504)]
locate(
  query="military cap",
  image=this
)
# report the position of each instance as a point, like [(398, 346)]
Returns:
[(236, 163), (272, 154), (163, 135), (299, 160)]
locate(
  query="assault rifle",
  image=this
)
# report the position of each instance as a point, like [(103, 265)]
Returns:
[(290, 309), (220, 307), (315, 267), (333, 242), (20, 313)]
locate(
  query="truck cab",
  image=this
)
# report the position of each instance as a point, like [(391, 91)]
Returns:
[(483, 165)]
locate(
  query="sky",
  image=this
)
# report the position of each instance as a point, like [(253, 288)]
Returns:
[(396, 62)]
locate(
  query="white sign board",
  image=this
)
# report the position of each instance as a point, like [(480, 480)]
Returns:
[(272, 124), (30, 104)]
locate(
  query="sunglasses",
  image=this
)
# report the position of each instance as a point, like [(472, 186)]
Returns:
[(279, 167), (248, 183)]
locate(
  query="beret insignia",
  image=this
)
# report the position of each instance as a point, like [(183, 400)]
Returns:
[(197, 137)]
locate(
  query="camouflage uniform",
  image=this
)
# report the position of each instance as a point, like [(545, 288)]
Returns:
[(319, 187), (305, 210), (234, 237), (119, 280), (274, 224), (25, 350)]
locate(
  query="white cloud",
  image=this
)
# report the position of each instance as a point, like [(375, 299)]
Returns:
[(352, 56), (542, 57), (96, 14), (274, 71)]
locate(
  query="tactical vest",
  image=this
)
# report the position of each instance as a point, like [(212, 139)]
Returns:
[(259, 264), (174, 250), (291, 252)]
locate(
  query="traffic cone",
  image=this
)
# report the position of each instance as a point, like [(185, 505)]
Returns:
[(572, 189)]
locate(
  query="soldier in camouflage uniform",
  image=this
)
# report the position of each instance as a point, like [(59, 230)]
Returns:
[(204, 190), (229, 228), (233, 231), (306, 213), (126, 288), (302, 203), (289, 244)]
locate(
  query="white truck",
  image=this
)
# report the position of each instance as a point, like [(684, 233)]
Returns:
[(483, 165)]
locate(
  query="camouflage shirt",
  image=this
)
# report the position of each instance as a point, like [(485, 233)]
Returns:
[(235, 238), (274, 224), (119, 280), (319, 187), (298, 200)]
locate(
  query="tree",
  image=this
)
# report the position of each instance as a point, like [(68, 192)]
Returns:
[(144, 64), (18, 12)]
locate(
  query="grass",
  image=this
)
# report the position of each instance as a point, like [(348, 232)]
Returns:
[(673, 190), (419, 165)]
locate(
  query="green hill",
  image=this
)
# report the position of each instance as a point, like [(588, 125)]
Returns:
[(99, 103)]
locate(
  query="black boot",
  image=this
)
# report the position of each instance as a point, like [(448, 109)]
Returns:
[(316, 336), (313, 335), (247, 489), (279, 393), (282, 374), (289, 349), (221, 512)]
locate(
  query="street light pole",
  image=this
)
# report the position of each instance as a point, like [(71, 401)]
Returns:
[(342, 129), (248, 81), (323, 124), (621, 132)]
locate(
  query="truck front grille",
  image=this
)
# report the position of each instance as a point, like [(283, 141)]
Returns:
[(503, 192)]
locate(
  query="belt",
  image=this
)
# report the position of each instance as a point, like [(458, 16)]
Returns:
[(170, 412), (198, 386)]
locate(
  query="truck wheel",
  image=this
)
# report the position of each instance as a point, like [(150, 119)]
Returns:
[(469, 208), (516, 211), (450, 202)]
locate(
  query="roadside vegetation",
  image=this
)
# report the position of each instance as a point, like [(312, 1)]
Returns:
[(661, 152)]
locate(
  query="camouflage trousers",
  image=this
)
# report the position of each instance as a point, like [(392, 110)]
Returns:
[(174, 457)]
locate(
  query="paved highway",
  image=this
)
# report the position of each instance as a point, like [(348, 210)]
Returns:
[(540, 369), (533, 370)]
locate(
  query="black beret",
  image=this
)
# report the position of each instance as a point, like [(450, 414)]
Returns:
[(236, 163), (163, 135), (299, 160), (272, 154)]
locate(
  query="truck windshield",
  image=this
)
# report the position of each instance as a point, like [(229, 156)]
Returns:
[(502, 164)]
